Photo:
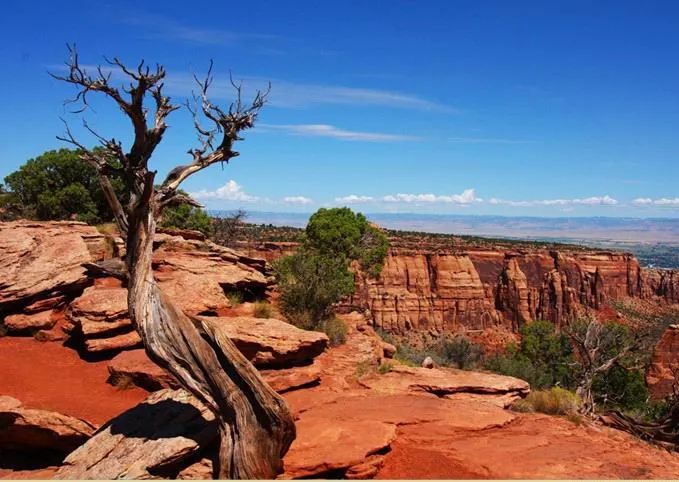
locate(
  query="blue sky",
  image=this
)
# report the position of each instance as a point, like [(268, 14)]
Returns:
[(470, 107)]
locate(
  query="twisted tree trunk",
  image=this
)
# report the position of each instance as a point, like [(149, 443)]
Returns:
[(256, 427), (255, 424)]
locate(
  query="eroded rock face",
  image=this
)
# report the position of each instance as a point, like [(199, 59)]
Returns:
[(42, 261), (196, 274), (30, 430), (665, 361), (269, 342), (478, 289), (151, 440)]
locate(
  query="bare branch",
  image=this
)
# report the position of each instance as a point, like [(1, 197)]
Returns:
[(229, 124)]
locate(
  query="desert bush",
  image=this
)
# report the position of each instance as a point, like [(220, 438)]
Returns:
[(262, 309), (309, 285), (385, 367), (235, 297), (458, 352), (544, 358), (554, 401), (336, 330)]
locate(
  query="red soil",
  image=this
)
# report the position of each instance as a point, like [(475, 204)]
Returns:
[(51, 376)]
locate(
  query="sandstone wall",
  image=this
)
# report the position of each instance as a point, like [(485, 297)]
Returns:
[(480, 288)]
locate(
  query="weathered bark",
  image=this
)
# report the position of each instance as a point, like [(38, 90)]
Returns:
[(256, 427)]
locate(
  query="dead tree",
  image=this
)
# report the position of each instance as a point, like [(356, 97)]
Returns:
[(255, 424)]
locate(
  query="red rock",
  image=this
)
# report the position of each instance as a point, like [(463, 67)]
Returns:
[(446, 381), (29, 324), (126, 341), (195, 275), (43, 261), (135, 366), (664, 362), (388, 349), (270, 342), (175, 427), (287, 379), (26, 429)]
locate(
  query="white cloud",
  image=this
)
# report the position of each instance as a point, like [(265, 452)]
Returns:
[(231, 191), (291, 94), (647, 201), (297, 200), (325, 130), (589, 201), (468, 196), (354, 199)]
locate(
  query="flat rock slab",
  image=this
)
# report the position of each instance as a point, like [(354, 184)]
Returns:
[(445, 381), (42, 260), (268, 342), (29, 323), (27, 429), (349, 435), (150, 440)]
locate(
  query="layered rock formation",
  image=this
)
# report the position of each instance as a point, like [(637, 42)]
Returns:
[(41, 264), (477, 289), (660, 376)]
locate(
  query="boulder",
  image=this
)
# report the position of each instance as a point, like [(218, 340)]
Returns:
[(155, 439), (268, 342), (43, 261), (29, 324), (24, 429), (388, 349)]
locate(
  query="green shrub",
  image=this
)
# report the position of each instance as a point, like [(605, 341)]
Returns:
[(555, 401), (341, 233), (622, 389), (262, 309), (235, 297), (59, 185), (184, 216), (544, 358), (309, 285), (458, 352), (336, 330), (385, 367)]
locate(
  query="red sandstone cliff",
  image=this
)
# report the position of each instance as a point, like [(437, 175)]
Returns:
[(481, 288)]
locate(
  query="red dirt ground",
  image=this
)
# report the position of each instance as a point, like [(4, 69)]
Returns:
[(51, 376)]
